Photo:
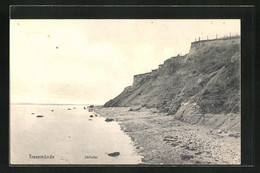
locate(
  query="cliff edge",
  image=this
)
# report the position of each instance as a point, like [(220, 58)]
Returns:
[(202, 84)]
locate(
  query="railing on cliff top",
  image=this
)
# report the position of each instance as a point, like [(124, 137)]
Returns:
[(217, 37)]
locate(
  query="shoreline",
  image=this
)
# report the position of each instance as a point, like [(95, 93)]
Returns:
[(161, 139), (77, 137)]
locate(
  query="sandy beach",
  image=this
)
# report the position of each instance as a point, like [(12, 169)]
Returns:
[(161, 139)]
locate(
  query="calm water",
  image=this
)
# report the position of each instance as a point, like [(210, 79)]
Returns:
[(68, 135)]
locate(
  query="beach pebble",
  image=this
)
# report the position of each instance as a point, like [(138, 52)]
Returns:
[(234, 135), (198, 153), (186, 157), (91, 116), (219, 131), (109, 119), (114, 154)]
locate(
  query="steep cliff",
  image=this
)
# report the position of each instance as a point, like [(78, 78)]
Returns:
[(204, 81)]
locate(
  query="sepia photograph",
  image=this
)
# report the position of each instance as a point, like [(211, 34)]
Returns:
[(125, 91)]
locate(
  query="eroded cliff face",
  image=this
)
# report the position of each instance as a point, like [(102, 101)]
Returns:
[(205, 81)]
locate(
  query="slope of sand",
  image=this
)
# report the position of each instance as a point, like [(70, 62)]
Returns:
[(161, 139)]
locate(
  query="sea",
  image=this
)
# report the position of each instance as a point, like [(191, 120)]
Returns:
[(66, 134)]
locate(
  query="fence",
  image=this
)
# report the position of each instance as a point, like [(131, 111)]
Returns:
[(217, 36)]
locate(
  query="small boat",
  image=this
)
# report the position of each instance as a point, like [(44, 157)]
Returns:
[(39, 116)]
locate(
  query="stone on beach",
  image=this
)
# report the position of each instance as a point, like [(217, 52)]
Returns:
[(114, 154), (219, 131), (109, 119), (39, 116), (91, 116), (135, 108), (186, 157), (234, 135)]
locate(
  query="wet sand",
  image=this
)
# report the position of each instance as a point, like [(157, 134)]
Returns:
[(161, 139)]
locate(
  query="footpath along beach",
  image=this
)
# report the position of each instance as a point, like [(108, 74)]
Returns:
[(161, 139)]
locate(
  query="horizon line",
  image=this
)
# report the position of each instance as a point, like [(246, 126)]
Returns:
[(25, 103)]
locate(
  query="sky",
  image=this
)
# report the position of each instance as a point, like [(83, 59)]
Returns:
[(91, 61)]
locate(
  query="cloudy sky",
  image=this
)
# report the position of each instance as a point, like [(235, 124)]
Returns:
[(92, 61)]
